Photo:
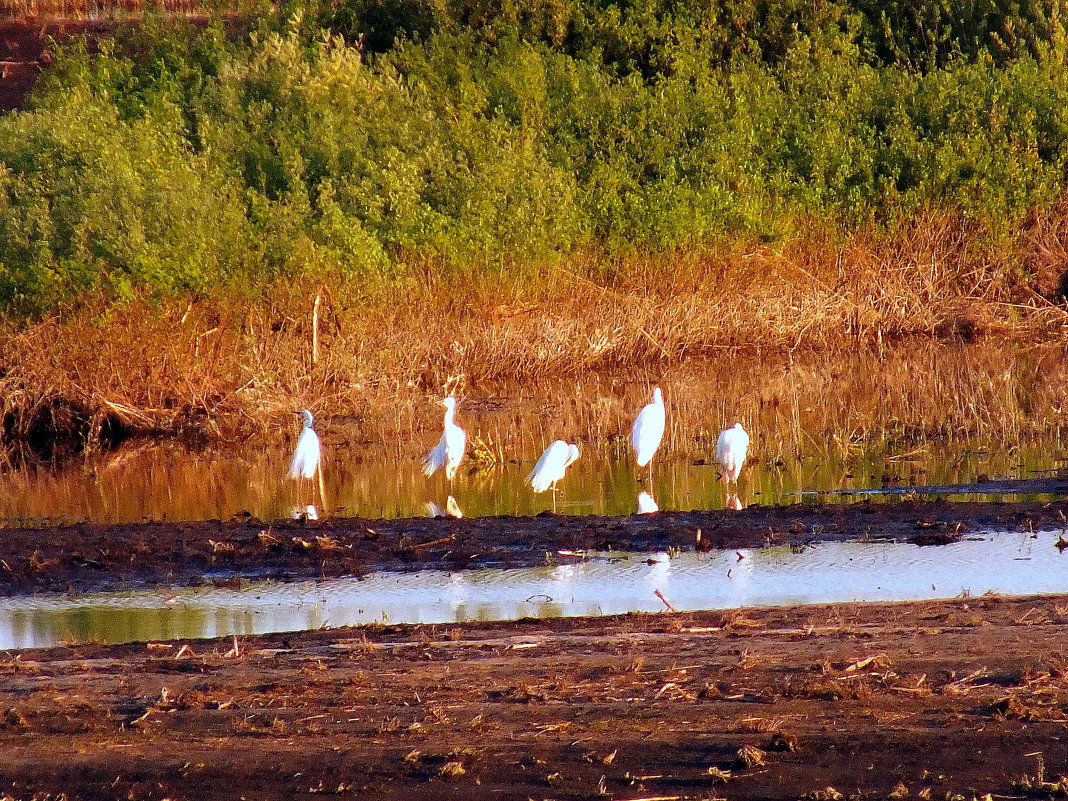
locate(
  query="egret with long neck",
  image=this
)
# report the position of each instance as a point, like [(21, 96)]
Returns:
[(450, 448)]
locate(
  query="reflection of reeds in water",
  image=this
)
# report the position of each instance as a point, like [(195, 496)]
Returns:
[(829, 403)]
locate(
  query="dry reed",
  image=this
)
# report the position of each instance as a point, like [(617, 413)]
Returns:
[(100, 9), (801, 336)]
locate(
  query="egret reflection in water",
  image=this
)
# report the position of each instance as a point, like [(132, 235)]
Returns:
[(452, 509), (647, 504), (308, 512)]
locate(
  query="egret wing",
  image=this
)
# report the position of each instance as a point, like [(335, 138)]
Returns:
[(435, 460), (647, 432), (550, 466), (454, 442)]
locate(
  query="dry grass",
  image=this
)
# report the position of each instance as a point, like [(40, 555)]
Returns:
[(801, 340), (98, 9)]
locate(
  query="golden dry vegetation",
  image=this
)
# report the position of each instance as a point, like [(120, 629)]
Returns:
[(919, 334)]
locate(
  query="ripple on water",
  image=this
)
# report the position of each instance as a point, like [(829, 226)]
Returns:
[(603, 584)]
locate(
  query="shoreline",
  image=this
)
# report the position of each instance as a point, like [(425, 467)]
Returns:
[(83, 557), (946, 699)]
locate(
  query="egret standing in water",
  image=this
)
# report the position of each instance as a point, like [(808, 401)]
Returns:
[(649, 430), (450, 448), (305, 459), (731, 448), (551, 467)]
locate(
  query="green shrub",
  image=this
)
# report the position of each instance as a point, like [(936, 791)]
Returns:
[(492, 139)]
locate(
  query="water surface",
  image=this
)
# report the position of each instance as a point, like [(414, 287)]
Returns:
[(159, 482), (1010, 564), (931, 414)]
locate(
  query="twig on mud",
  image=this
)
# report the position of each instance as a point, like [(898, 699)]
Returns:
[(965, 685), (880, 661), (673, 686), (897, 688), (439, 541), (667, 603), (235, 652)]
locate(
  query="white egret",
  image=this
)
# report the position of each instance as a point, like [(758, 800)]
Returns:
[(450, 448), (305, 459), (646, 504), (552, 465), (649, 429), (731, 448)]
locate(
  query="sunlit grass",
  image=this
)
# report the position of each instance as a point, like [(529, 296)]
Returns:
[(107, 9), (815, 348)]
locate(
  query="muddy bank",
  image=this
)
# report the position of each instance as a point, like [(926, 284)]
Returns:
[(938, 700), (88, 556)]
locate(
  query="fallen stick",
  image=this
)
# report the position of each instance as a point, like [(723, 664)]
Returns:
[(667, 603)]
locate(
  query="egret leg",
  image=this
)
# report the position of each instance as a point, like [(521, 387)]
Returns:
[(322, 489)]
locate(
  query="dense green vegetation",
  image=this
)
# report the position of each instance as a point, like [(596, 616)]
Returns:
[(370, 136)]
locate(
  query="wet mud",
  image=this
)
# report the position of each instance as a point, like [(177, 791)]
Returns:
[(932, 700), (941, 700), (82, 557)]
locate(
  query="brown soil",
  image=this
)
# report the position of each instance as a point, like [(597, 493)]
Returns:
[(936, 700), (23, 45), (93, 556), (25, 42)]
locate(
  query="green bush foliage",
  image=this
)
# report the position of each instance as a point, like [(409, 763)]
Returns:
[(488, 138)]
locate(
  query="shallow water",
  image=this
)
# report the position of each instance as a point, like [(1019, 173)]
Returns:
[(169, 483), (820, 422), (1009, 564)]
